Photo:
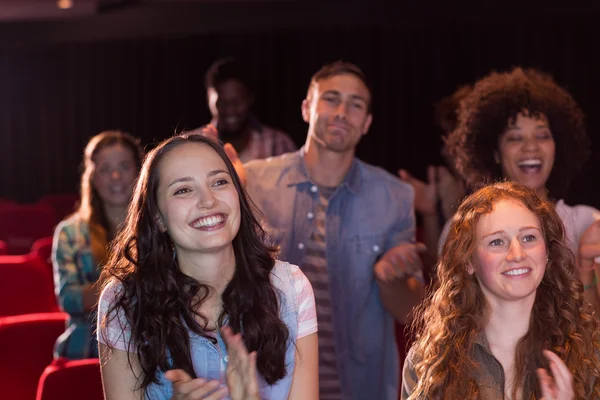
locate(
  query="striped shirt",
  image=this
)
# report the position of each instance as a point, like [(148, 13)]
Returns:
[(314, 266)]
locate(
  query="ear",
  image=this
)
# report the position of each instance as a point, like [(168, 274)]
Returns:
[(496, 157), (306, 110), (367, 124), (470, 269)]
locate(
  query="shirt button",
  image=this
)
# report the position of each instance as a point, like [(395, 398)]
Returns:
[(376, 249), (314, 189), (226, 358), (310, 215), (301, 245)]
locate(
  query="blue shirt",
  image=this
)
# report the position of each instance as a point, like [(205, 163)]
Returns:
[(370, 212), (210, 359)]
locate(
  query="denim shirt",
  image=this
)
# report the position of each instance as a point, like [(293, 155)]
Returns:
[(370, 212), (210, 359)]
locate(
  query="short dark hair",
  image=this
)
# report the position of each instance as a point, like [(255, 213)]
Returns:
[(495, 101), (339, 68), (226, 69)]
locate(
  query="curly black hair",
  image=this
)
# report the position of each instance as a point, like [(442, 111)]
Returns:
[(494, 102)]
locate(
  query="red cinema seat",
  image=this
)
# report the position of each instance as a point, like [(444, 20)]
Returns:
[(26, 286), (26, 347), (21, 225), (71, 380), (63, 203)]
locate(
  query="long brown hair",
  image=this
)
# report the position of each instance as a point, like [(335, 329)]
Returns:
[(455, 310), (161, 303), (90, 207)]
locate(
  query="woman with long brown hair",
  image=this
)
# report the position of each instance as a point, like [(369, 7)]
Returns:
[(111, 163), (196, 305), (506, 317)]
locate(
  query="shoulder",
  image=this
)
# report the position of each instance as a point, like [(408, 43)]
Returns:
[(374, 177), (284, 275), (71, 223), (581, 216), (109, 293)]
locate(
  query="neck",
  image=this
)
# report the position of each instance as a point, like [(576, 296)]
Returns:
[(508, 322), (542, 193), (326, 167), (214, 269), (115, 215)]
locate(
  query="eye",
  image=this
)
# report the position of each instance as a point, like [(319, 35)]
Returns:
[(513, 138), (221, 182), (358, 106), (496, 242), (181, 191), (529, 238)]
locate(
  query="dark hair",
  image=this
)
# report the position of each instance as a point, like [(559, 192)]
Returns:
[(446, 109), (160, 302), (227, 69), (90, 207), (454, 312), (339, 68), (494, 102)]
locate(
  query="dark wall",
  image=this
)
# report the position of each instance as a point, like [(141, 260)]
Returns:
[(60, 83)]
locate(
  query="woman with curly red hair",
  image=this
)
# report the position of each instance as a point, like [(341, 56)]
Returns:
[(506, 318)]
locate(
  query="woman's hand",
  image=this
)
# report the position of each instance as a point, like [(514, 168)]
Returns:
[(242, 379), (186, 388), (559, 388)]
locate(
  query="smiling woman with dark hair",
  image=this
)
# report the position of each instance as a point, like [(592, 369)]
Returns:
[(196, 302)]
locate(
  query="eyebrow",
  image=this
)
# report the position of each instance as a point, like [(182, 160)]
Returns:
[(539, 126), (520, 230), (189, 178), (353, 96)]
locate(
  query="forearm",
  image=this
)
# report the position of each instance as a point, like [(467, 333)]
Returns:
[(587, 273), (400, 297)]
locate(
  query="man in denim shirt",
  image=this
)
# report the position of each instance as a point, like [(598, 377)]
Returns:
[(350, 227)]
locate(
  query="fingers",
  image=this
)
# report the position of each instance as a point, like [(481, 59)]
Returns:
[(563, 380), (545, 384), (405, 175), (184, 387), (231, 152)]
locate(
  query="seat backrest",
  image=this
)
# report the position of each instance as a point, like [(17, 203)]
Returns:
[(71, 380), (42, 248), (21, 225), (26, 347), (63, 203), (3, 247), (26, 286)]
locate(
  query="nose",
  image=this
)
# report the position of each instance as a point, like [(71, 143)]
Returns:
[(516, 252), (531, 144), (341, 111), (115, 174), (206, 199)]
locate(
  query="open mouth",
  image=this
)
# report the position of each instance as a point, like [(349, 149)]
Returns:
[(530, 166), (209, 221), (517, 272)]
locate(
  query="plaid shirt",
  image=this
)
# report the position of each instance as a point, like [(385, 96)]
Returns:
[(264, 142)]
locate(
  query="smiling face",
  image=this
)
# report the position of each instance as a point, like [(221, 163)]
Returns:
[(114, 172), (197, 201), (337, 111), (526, 151), (510, 258), (230, 103)]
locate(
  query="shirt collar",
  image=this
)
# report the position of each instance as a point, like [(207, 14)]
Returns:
[(299, 173)]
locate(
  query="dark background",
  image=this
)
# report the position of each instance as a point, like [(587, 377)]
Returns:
[(139, 66)]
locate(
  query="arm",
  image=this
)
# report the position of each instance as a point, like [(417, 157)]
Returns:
[(399, 272), (73, 297), (305, 382), (118, 379), (588, 269), (409, 378), (400, 279)]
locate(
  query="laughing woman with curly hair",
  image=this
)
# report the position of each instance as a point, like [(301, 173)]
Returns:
[(522, 126), (506, 318)]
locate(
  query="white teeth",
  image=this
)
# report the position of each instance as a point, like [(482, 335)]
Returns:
[(208, 221), (515, 272), (530, 163)]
